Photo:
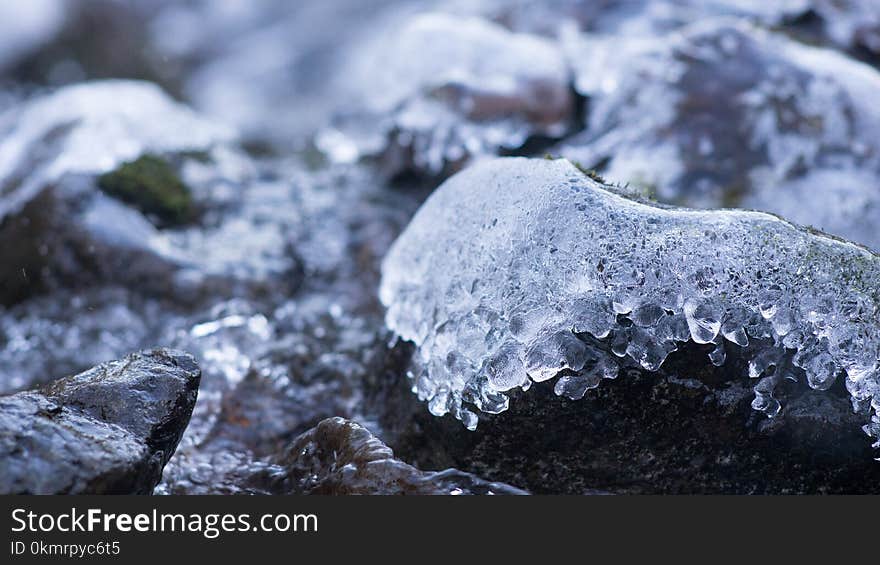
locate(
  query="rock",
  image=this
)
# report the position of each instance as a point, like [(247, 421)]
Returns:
[(687, 428), (61, 230), (444, 89), (722, 113), (109, 430), (339, 456), (279, 352), (114, 183), (92, 128), (556, 275), (848, 25)]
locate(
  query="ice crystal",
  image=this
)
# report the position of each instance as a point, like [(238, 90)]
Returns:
[(737, 116), (92, 128), (443, 88), (520, 270)]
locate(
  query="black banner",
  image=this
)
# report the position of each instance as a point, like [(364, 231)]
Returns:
[(127, 529)]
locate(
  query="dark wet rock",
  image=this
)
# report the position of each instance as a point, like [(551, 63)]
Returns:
[(339, 456), (109, 430), (336, 457), (688, 428)]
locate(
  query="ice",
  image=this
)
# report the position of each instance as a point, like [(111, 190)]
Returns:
[(849, 25), (508, 236), (92, 128), (443, 88), (722, 113)]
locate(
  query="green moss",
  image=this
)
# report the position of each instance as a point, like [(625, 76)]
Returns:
[(591, 173), (152, 186)]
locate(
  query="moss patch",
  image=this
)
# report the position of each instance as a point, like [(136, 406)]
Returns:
[(591, 173), (152, 186)]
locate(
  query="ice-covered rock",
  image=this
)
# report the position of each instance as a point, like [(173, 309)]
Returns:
[(686, 428), (443, 88), (109, 430), (849, 25), (93, 176), (726, 114), (518, 271)]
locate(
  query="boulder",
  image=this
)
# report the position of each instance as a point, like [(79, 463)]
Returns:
[(520, 277), (109, 430)]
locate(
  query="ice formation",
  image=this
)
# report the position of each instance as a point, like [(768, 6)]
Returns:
[(738, 117), (846, 24), (444, 88), (520, 270), (92, 128)]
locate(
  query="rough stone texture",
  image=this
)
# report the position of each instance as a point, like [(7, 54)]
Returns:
[(109, 430), (267, 269), (687, 429)]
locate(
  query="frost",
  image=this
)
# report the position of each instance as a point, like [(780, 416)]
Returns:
[(92, 128), (852, 25), (723, 113), (520, 270), (445, 88)]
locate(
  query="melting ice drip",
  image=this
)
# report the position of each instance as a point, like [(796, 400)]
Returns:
[(520, 270)]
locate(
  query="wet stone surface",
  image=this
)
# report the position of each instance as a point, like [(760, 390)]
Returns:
[(109, 430)]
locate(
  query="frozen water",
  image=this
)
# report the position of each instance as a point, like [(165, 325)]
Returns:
[(92, 128), (726, 114), (445, 88), (520, 270), (851, 25)]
